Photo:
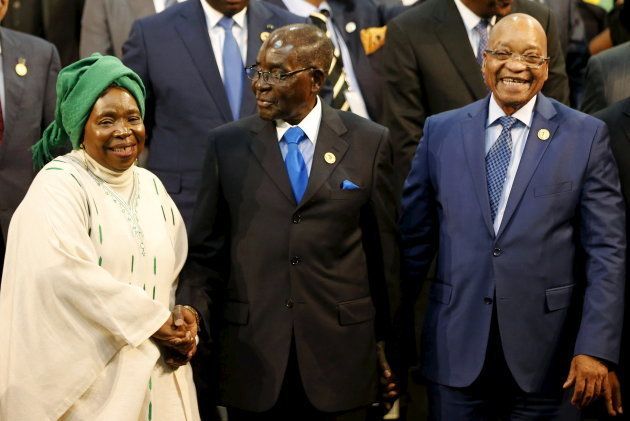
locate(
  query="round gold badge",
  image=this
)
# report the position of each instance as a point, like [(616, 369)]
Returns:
[(330, 157), (543, 134), (20, 68)]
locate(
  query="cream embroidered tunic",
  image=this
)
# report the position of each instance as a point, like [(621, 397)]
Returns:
[(89, 275)]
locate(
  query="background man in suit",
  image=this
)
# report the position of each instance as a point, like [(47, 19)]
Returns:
[(617, 118), (27, 96), (193, 83), (607, 78), (293, 257), (511, 188), (358, 29), (106, 24), (58, 21), (433, 62)]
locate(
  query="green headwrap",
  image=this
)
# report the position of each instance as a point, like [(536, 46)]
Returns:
[(79, 85)]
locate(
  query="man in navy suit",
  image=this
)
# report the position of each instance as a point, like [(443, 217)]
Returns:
[(179, 54), (510, 190)]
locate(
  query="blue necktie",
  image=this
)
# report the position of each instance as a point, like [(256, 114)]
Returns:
[(233, 70), (294, 161), (497, 162), (482, 29)]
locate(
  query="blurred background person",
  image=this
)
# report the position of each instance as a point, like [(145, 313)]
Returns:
[(93, 255), (58, 21), (28, 71)]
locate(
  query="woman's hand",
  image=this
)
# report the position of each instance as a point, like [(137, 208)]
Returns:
[(177, 336)]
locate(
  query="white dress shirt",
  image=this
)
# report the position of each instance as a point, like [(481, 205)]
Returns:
[(217, 33), (310, 126), (470, 21), (160, 5), (519, 134)]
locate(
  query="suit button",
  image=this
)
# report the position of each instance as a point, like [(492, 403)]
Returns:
[(288, 303), (295, 260), (297, 218), (487, 300), (497, 252)]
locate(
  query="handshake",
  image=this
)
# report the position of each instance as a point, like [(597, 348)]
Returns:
[(177, 336)]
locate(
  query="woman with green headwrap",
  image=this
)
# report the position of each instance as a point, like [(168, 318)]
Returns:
[(93, 255)]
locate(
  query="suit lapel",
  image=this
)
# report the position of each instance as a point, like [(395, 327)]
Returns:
[(533, 152), (257, 18), (193, 31), (328, 140), (13, 84), (265, 148), (451, 32), (473, 135), (140, 8)]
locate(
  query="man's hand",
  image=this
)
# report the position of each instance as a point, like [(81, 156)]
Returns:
[(612, 395), (589, 378), (389, 384)]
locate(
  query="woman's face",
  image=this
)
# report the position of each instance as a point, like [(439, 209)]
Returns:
[(114, 132)]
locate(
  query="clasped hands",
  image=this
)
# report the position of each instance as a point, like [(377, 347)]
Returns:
[(177, 336), (591, 379)]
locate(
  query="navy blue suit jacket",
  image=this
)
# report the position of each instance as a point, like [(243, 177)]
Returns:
[(367, 68), (550, 304), (172, 53)]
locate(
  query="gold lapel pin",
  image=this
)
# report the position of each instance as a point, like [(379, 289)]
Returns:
[(543, 134), (330, 157), (264, 36), (351, 27), (20, 67)]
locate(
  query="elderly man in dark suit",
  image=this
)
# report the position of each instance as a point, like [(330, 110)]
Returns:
[(194, 75), (433, 60), (509, 191), (293, 255), (29, 72)]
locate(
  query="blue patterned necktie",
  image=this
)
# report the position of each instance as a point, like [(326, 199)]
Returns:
[(294, 161), (497, 161), (233, 70), (482, 29)]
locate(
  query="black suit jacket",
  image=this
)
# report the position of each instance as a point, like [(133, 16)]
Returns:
[(430, 68), (350, 17), (263, 269), (617, 118)]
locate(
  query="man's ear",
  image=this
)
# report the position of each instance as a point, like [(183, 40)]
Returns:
[(319, 79)]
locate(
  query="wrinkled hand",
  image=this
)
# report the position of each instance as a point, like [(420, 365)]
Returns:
[(176, 337), (612, 395), (389, 384), (589, 379)]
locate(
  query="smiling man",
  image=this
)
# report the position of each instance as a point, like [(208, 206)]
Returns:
[(293, 258), (509, 191)]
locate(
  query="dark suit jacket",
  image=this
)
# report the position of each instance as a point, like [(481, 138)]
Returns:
[(617, 118), (105, 24), (550, 305), (607, 78), (321, 271), (29, 108), (367, 68), (58, 21), (430, 68), (171, 52)]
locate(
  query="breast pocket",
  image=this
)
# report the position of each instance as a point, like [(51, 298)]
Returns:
[(553, 189)]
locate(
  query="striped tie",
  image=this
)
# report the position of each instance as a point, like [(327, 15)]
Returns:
[(482, 30), (336, 74)]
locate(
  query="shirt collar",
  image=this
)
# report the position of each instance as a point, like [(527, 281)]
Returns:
[(469, 17), (304, 8), (213, 16), (309, 124), (524, 114)]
